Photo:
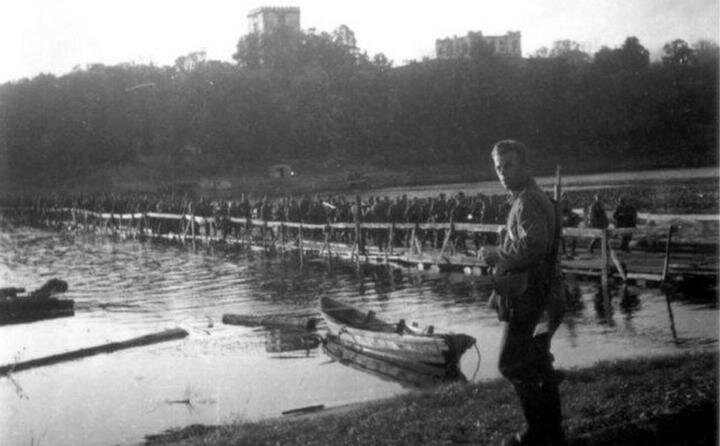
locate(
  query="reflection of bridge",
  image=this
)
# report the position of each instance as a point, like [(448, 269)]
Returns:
[(406, 247)]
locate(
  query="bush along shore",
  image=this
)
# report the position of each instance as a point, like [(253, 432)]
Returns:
[(667, 400)]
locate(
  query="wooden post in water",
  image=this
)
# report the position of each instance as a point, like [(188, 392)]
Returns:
[(604, 269), (666, 264), (617, 263), (558, 210), (264, 235), (558, 187), (282, 237), (445, 244), (387, 243), (182, 227), (361, 239), (357, 243), (412, 241), (354, 245), (328, 231), (247, 232), (391, 237), (360, 243), (666, 267), (300, 244), (192, 227)]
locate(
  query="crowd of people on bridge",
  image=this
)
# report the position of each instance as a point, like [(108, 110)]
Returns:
[(338, 208), (316, 209)]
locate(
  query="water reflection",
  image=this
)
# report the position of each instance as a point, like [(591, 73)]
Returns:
[(629, 301), (279, 342)]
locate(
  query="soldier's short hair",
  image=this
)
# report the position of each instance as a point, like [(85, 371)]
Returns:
[(510, 145)]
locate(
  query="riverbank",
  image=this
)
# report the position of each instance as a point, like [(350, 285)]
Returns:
[(659, 400)]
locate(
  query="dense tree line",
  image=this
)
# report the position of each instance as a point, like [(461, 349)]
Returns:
[(316, 96)]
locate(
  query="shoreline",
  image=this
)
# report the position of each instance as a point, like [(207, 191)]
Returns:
[(322, 182), (664, 399)]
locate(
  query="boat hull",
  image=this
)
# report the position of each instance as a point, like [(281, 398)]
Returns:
[(407, 373), (442, 350)]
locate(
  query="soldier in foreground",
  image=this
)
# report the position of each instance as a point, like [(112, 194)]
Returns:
[(528, 297)]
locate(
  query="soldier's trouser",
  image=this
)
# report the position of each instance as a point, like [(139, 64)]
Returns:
[(526, 361)]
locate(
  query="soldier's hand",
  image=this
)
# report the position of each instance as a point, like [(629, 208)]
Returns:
[(489, 255)]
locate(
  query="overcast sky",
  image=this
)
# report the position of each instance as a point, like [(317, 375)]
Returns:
[(56, 35)]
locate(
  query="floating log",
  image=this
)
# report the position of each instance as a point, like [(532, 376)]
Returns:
[(167, 335), (308, 321)]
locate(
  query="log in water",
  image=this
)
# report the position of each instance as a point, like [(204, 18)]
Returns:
[(167, 335), (306, 321)]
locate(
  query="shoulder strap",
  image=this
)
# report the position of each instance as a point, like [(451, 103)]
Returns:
[(557, 217)]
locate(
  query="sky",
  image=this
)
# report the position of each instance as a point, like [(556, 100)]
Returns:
[(54, 36)]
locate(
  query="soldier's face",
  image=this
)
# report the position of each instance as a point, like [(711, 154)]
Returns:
[(510, 171)]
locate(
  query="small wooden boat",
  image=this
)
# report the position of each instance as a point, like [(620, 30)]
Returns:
[(16, 306), (395, 342), (396, 369)]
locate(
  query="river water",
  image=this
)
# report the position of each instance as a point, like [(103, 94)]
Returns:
[(221, 373)]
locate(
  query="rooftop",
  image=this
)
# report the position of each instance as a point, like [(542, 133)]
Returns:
[(273, 9)]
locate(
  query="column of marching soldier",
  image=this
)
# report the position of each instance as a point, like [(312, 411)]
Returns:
[(316, 209)]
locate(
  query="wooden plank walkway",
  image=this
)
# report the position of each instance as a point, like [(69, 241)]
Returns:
[(693, 253)]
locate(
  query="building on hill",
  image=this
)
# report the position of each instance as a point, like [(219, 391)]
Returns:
[(268, 19), (281, 171), (509, 44), (506, 45)]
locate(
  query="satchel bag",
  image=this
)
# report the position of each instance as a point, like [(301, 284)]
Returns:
[(506, 289)]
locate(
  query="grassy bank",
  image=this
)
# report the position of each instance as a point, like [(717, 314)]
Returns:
[(662, 400)]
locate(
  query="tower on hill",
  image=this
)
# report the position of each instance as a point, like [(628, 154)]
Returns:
[(267, 19)]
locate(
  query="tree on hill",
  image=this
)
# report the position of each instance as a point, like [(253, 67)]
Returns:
[(706, 52), (541, 53), (289, 52), (324, 98), (677, 52), (631, 56), (569, 51)]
